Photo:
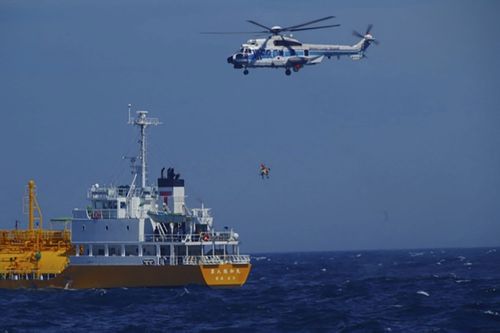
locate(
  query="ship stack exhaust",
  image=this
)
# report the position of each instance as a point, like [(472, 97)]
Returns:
[(171, 192)]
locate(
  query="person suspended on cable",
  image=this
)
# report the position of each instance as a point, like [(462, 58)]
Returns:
[(264, 171)]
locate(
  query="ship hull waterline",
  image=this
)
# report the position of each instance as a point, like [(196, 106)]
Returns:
[(117, 276)]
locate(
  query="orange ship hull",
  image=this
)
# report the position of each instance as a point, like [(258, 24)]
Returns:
[(85, 277)]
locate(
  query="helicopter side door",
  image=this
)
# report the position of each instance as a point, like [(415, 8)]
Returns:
[(279, 58)]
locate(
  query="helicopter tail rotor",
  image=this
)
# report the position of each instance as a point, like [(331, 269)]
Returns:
[(367, 36)]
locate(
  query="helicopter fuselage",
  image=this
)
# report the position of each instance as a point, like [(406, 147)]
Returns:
[(278, 51)]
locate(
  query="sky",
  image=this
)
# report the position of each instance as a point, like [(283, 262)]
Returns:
[(399, 150)]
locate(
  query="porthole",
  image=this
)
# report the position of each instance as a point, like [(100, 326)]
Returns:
[(107, 228), (128, 228)]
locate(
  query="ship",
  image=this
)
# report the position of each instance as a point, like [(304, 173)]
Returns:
[(133, 235), (35, 253)]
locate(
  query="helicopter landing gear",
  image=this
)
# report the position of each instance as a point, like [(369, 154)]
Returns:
[(245, 72), (288, 71)]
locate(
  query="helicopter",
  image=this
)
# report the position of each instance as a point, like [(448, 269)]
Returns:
[(280, 51)]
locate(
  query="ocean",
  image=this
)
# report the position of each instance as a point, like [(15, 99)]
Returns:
[(440, 290)]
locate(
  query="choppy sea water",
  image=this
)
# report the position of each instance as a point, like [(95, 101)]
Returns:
[(451, 290)]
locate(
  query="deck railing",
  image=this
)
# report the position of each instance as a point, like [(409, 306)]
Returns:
[(221, 236), (95, 214), (216, 259), (21, 236)]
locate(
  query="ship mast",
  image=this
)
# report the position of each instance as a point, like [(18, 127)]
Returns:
[(142, 121)]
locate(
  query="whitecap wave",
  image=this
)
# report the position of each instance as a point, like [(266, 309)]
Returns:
[(491, 313)]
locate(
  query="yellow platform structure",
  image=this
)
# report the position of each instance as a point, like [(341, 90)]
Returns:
[(34, 253)]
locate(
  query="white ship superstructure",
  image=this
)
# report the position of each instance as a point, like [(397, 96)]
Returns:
[(143, 224)]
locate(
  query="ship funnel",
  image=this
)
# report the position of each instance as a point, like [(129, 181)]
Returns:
[(171, 191)]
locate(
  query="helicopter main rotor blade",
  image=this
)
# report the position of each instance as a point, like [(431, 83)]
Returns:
[(314, 28), (263, 46), (233, 32), (260, 25), (307, 23), (285, 44)]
